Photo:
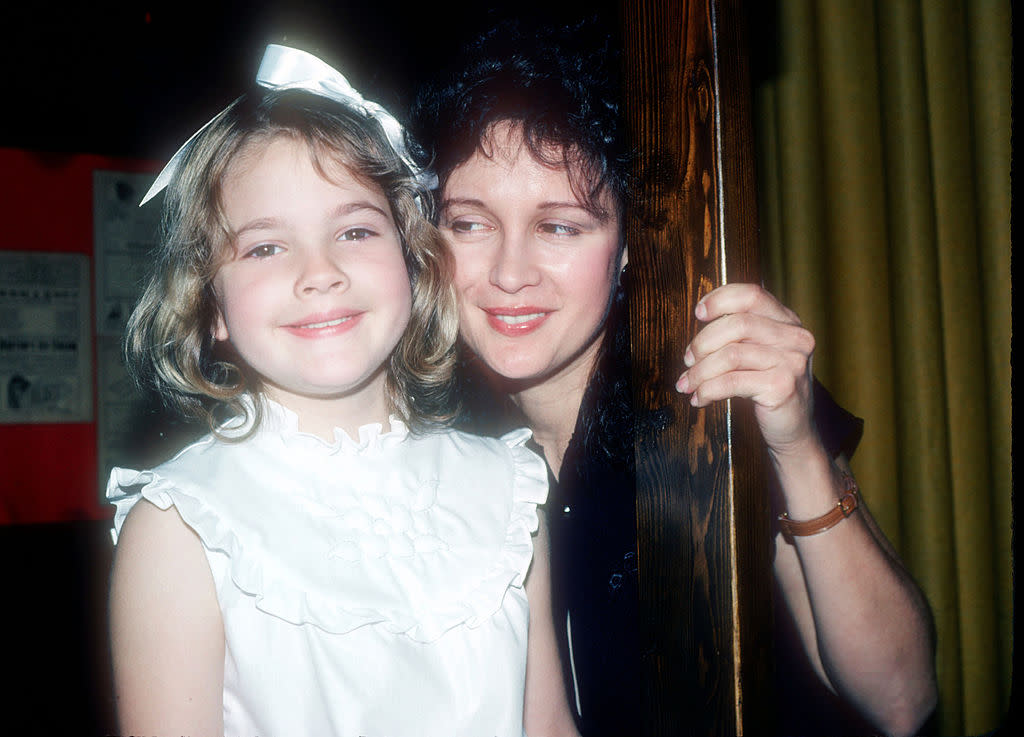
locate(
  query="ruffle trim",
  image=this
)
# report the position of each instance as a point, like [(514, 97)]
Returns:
[(276, 596), (282, 422), (530, 488)]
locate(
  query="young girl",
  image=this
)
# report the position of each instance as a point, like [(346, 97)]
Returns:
[(329, 560)]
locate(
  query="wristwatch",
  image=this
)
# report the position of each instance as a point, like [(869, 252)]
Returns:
[(847, 505)]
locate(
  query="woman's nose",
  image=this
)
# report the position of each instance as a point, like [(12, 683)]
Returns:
[(321, 271), (515, 265)]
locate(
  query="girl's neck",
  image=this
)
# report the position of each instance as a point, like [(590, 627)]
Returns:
[(551, 406), (321, 415)]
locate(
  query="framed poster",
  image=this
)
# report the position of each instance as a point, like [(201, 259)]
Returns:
[(124, 236), (45, 338)]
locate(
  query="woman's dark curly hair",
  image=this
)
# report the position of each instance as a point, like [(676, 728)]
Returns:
[(559, 84)]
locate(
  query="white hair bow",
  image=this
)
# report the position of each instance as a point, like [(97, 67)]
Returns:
[(285, 68)]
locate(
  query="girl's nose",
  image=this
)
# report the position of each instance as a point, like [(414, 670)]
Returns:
[(321, 273), (515, 266)]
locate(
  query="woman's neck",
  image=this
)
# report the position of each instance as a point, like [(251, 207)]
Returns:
[(552, 406)]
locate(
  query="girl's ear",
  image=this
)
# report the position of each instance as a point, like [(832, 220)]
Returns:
[(624, 258)]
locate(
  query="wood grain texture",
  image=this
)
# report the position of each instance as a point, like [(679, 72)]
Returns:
[(702, 507)]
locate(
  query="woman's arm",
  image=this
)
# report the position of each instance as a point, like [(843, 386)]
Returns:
[(546, 708), (167, 638), (863, 621)]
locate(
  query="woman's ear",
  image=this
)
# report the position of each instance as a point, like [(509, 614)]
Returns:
[(623, 259)]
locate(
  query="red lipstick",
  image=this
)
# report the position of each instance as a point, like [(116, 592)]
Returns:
[(516, 321)]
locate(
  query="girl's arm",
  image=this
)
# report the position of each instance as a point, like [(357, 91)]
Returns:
[(167, 638), (863, 621), (546, 708)]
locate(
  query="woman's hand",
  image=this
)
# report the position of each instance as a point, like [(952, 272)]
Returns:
[(754, 346)]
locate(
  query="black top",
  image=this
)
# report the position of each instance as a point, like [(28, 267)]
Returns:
[(591, 513)]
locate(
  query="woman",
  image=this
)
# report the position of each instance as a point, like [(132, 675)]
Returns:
[(532, 165)]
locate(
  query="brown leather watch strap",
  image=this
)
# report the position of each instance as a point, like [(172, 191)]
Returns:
[(846, 506)]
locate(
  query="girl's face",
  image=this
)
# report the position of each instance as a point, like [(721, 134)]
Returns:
[(314, 292), (534, 270)]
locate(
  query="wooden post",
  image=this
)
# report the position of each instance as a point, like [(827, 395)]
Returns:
[(702, 502)]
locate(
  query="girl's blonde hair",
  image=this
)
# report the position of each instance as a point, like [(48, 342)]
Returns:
[(169, 343)]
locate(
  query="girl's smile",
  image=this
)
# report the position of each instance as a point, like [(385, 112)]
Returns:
[(324, 325)]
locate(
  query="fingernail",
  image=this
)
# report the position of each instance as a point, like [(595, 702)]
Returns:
[(688, 358), (701, 311), (683, 385), (694, 401)]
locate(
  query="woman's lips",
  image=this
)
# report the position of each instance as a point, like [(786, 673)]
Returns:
[(324, 325), (515, 321)]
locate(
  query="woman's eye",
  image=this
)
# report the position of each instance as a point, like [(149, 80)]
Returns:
[(356, 234), (466, 226), (559, 229), (263, 250)]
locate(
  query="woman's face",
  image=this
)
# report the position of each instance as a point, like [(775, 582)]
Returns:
[(534, 270)]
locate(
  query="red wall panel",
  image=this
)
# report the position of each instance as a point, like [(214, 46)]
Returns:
[(48, 472)]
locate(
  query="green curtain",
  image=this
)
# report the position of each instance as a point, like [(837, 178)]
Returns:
[(884, 168)]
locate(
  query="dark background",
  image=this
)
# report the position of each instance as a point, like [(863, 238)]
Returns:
[(135, 79)]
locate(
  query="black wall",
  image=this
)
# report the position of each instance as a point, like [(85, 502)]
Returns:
[(137, 78)]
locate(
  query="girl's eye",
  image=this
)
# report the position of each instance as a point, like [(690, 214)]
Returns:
[(263, 250), (559, 229), (356, 234)]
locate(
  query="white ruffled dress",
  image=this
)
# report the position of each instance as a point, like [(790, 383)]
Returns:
[(368, 587)]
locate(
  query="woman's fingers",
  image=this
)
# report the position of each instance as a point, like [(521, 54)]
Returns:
[(781, 397), (764, 339), (765, 375), (748, 328), (743, 298)]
